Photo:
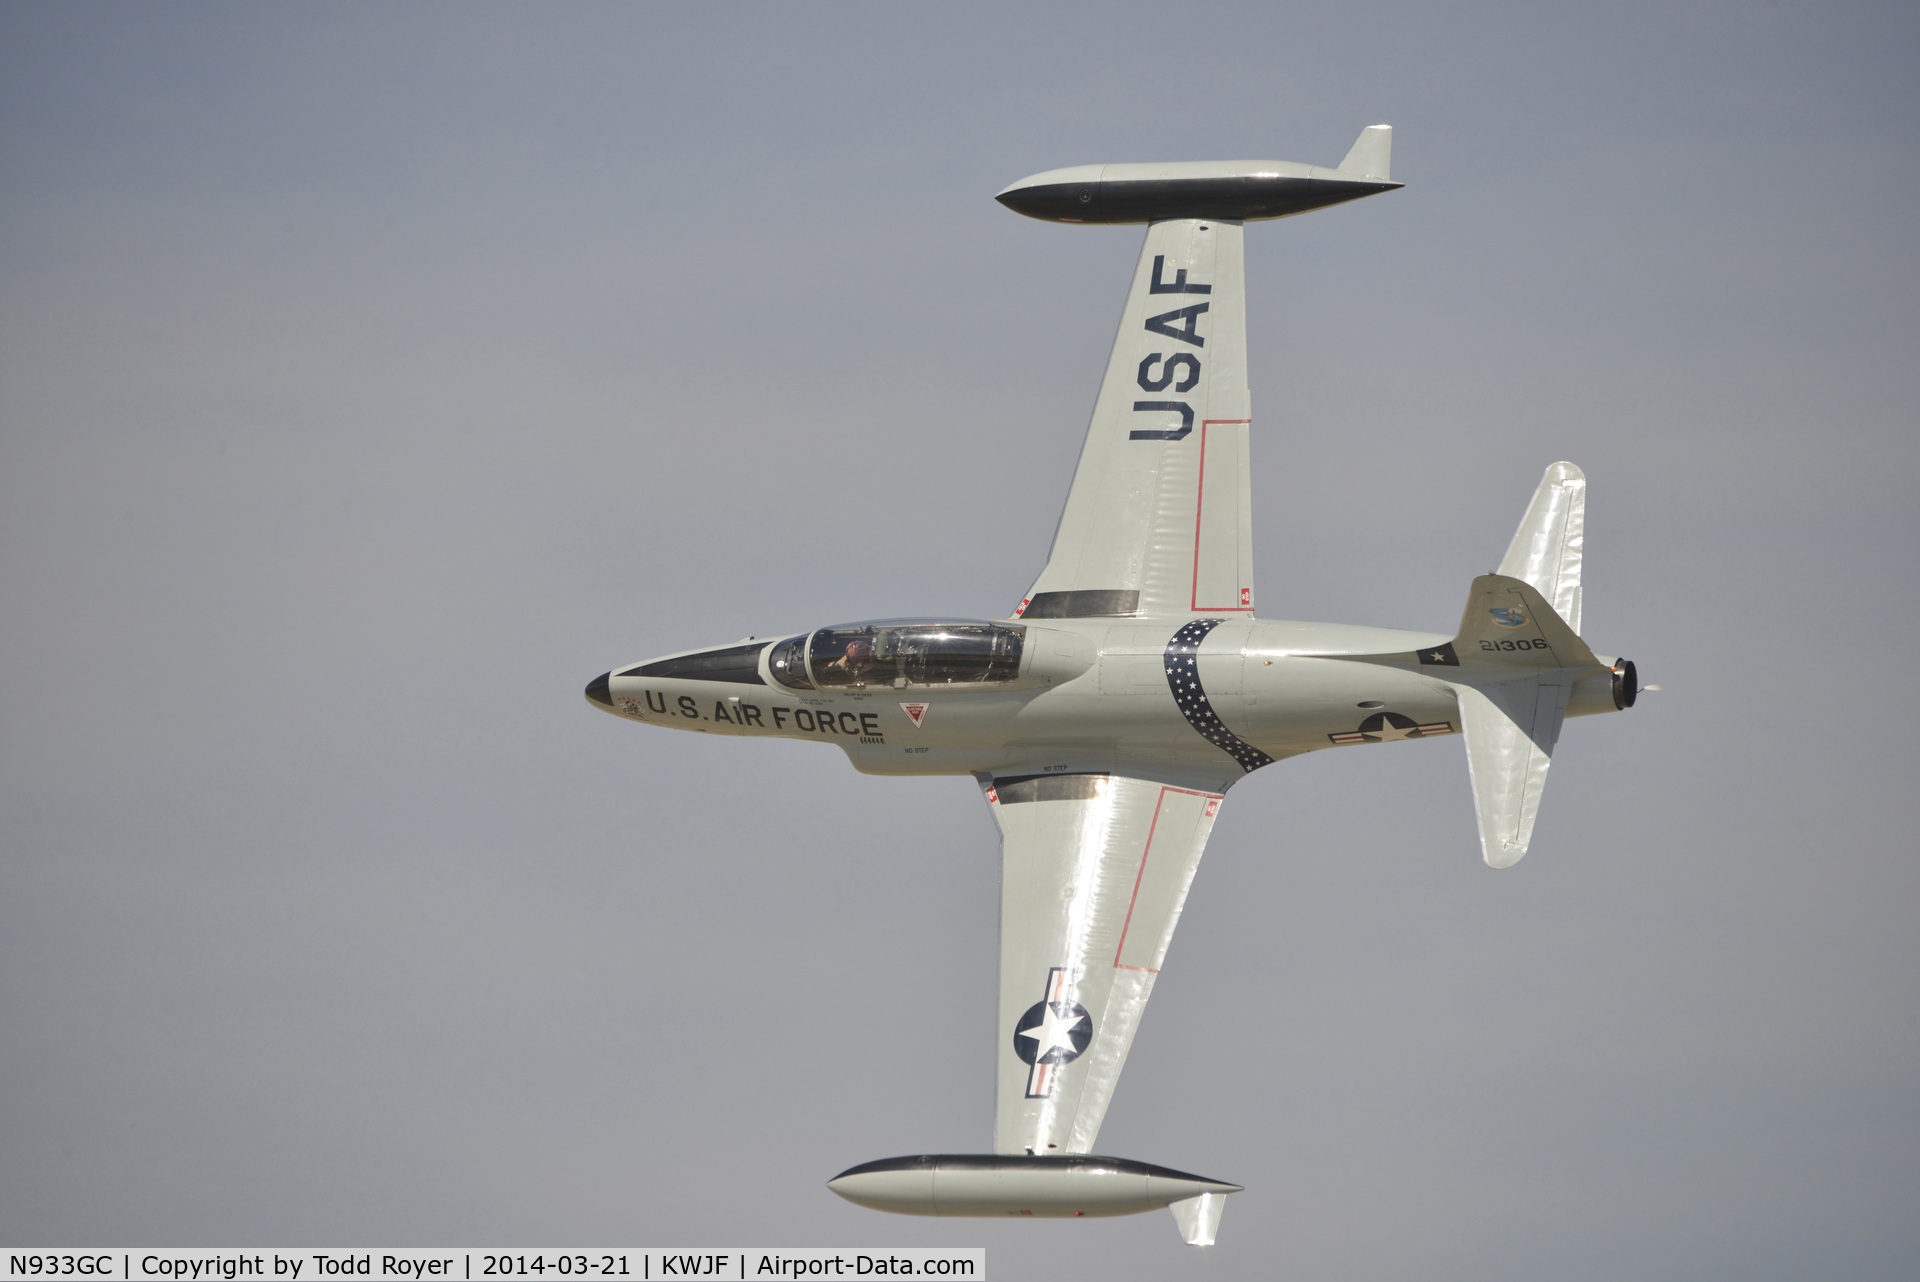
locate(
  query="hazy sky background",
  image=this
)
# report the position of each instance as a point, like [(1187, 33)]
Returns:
[(371, 377)]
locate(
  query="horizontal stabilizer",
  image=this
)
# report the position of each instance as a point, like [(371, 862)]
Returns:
[(1518, 663), (1371, 154), (1510, 728)]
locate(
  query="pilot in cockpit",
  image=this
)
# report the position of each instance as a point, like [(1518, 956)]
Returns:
[(857, 662)]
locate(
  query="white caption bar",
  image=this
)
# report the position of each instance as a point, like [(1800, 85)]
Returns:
[(622, 1264)]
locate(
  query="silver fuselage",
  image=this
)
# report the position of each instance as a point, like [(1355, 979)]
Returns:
[(1093, 695)]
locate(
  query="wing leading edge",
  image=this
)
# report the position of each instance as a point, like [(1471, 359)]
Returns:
[(1094, 872)]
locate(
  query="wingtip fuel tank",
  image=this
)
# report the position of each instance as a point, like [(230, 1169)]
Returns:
[(996, 1184), (1230, 190)]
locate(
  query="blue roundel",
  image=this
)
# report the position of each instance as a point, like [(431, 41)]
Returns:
[(1052, 1033)]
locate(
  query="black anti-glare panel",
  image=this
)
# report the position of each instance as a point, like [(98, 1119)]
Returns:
[(739, 664)]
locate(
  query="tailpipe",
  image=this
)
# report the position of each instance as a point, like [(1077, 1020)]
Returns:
[(1626, 684)]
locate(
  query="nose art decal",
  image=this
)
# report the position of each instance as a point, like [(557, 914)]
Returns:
[(1183, 678)]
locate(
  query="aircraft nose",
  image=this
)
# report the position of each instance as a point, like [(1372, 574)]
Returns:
[(598, 692)]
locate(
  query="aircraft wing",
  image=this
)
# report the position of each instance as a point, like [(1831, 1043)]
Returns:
[(1094, 869), (1157, 521)]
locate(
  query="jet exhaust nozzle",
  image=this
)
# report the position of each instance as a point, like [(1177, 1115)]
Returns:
[(1626, 684)]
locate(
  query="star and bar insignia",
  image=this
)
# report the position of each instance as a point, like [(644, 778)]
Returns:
[(1439, 656), (1382, 727), (1054, 1031)]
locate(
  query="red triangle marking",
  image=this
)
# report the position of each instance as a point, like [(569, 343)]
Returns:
[(917, 711)]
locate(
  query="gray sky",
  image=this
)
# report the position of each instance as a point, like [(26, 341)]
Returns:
[(371, 377)]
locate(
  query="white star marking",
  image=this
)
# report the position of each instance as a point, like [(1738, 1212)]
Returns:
[(1054, 1031), (1389, 732)]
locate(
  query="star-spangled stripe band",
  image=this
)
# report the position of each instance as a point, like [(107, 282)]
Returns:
[(1183, 678)]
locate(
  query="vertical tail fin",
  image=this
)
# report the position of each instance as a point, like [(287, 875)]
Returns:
[(1371, 154), (1510, 730), (1199, 1217)]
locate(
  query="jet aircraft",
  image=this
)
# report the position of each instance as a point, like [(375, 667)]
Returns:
[(1105, 719)]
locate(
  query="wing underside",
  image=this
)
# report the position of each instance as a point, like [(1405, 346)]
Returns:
[(1094, 872), (1157, 521)]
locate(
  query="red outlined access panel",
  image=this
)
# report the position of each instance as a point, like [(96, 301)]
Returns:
[(1245, 605), (1161, 890)]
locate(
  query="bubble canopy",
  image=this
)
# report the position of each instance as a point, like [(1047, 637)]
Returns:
[(900, 654)]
